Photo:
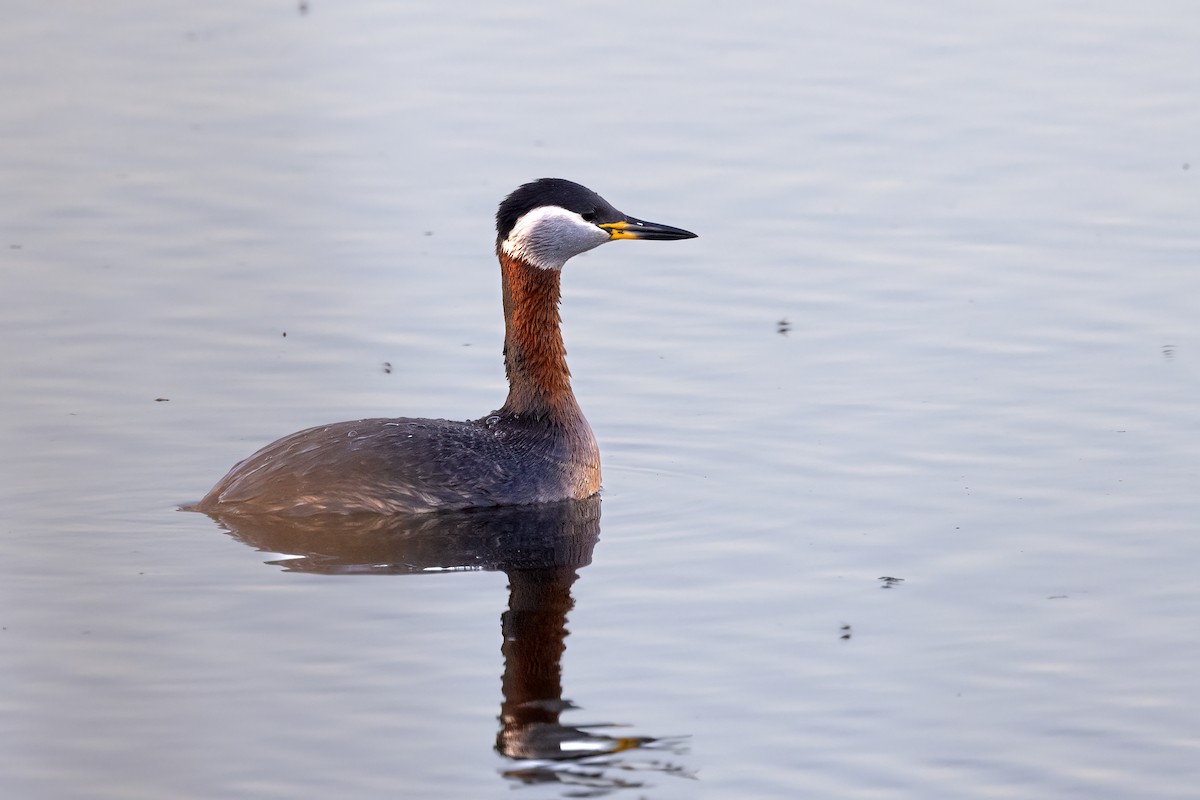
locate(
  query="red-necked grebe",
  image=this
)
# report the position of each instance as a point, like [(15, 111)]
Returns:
[(536, 448)]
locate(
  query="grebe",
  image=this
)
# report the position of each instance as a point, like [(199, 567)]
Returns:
[(536, 448)]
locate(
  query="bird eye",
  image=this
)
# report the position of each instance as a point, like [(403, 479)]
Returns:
[(588, 216)]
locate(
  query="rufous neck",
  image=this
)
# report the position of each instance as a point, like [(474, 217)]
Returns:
[(535, 359)]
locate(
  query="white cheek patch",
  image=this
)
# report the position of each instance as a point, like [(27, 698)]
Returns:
[(547, 237)]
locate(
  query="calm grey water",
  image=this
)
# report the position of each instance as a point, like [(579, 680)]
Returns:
[(940, 326)]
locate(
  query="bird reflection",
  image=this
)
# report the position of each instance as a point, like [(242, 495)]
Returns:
[(540, 549)]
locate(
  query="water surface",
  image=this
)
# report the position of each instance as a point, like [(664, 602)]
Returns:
[(940, 326)]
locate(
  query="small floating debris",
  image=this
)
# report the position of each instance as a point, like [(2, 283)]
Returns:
[(889, 582)]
